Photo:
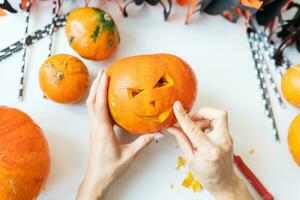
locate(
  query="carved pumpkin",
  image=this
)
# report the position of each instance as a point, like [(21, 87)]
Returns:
[(64, 78), (24, 156), (143, 89), (290, 85), (294, 139), (92, 33)]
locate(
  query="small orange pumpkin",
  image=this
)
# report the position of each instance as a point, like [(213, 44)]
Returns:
[(290, 85), (92, 33), (294, 139), (24, 156), (143, 89), (64, 78)]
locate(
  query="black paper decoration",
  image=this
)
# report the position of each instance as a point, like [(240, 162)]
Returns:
[(7, 6), (167, 8), (271, 13)]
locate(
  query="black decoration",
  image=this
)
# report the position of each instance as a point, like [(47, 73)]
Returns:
[(218, 7), (289, 33), (271, 12), (6, 6), (166, 11)]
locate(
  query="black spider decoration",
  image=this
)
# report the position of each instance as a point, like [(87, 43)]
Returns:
[(229, 8), (289, 33), (152, 3), (271, 13)]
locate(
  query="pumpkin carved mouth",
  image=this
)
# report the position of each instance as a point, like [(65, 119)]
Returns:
[(164, 81), (158, 118)]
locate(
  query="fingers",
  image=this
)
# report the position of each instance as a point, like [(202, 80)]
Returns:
[(218, 117), (140, 143), (219, 123), (203, 124), (183, 141), (196, 136), (90, 102), (101, 97)]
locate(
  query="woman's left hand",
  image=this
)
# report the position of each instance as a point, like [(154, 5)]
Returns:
[(108, 158)]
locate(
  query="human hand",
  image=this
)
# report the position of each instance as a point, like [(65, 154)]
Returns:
[(108, 158), (208, 150)]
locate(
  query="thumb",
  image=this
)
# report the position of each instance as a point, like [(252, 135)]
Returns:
[(141, 142)]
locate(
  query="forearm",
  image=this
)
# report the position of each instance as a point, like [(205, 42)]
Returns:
[(236, 192), (91, 190)]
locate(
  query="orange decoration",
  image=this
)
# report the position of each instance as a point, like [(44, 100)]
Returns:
[(23, 3), (64, 78), (2, 12), (92, 33), (143, 89), (290, 85), (24, 156), (294, 139)]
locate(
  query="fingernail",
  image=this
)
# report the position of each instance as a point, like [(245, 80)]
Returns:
[(177, 106), (158, 136), (100, 72)]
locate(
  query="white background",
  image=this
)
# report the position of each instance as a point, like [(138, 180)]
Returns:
[(217, 50)]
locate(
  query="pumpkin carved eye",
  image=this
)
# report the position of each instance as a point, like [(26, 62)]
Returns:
[(132, 92), (163, 81)]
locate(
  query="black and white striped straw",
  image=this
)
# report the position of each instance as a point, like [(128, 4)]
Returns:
[(266, 69), (31, 39), (270, 50), (21, 87), (52, 27), (262, 82)]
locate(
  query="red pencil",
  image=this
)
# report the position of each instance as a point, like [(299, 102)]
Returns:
[(257, 185)]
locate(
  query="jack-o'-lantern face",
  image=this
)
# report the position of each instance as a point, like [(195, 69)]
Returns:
[(143, 89)]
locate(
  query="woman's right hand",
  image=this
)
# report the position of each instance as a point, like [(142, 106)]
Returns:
[(208, 150)]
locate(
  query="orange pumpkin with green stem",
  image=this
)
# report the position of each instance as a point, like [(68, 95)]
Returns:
[(24, 156), (64, 78), (92, 33), (143, 89)]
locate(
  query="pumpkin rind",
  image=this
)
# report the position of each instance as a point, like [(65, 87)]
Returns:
[(290, 85), (24, 156), (64, 78), (294, 139), (92, 33), (143, 89)]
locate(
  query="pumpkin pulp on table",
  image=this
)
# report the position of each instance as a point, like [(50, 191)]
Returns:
[(143, 89), (92, 33), (24, 156)]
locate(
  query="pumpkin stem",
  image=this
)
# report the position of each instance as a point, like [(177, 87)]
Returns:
[(58, 76)]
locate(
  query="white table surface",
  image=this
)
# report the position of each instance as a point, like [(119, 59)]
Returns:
[(217, 50)]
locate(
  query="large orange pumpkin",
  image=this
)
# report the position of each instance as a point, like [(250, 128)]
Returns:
[(64, 78), (24, 156), (92, 33), (294, 139), (290, 85), (143, 89)]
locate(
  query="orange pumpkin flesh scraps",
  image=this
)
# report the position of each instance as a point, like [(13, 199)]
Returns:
[(64, 78), (92, 33), (290, 85), (143, 89), (24, 156), (294, 139)]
